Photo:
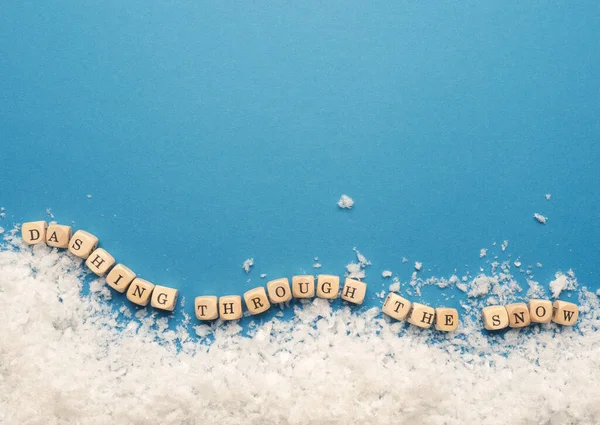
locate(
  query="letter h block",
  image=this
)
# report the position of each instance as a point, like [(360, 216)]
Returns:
[(421, 315)]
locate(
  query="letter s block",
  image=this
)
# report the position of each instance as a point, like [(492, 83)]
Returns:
[(139, 291), (256, 300), (421, 315), (540, 311), (494, 317), (354, 291), (82, 244), (34, 232), (565, 313), (328, 286), (100, 262), (58, 236), (446, 319), (164, 298)]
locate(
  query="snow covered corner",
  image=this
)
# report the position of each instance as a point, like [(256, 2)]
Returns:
[(346, 202)]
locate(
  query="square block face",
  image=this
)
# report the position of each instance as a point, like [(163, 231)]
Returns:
[(230, 307), (303, 286), (395, 306), (256, 300), (100, 262), (421, 315), (58, 236), (82, 244), (518, 315), (164, 298), (494, 317), (354, 291), (446, 319), (139, 291), (279, 290), (565, 313), (540, 311), (328, 286), (34, 232), (207, 307), (120, 277)]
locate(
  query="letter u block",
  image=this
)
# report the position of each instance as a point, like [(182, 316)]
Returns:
[(207, 307), (518, 315), (34, 232), (279, 290), (120, 277), (256, 300), (164, 298), (328, 286), (303, 286), (495, 317), (395, 306), (446, 319), (540, 311), (354, 291), (58, 236), (564, 313), (421, 315), (230, 307), (100, 262), (82, 244), (139, 291)]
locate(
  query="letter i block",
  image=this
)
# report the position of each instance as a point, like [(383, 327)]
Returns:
[(82, 244), (207, 307), (256, 300), (494, 317), (139, 291), (540, 311), (100, 262), (279, 290), (328, 286), (120, 277), (58, 236), (164, 298), (518, 315), (446, 319), (565, 313), (354, 291), (230, 307), (421, 315), (395, 306), (34, 232), (303, 286)]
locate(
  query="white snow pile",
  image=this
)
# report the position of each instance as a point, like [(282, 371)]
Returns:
[(68, 358), (357, 270), (540, 218), (345, 202), (563, 282)]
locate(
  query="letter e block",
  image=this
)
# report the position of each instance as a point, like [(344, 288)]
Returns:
[(164, 298), (256, 300), (139, 291), (100, 262), (58, 236), (564, 313), (34, 232), (354, 291), (303, 286), (207, 307), (421, 315), (518, 315), (119, 278), (446, 319), (279, 290), (230, 307), (82, 244), (540, 311), (328, 286), (494, 317), (395, 306)]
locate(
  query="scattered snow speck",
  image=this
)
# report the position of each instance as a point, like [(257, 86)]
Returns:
[(404, 260), (540, 218), (317, 266), (482, 252), (386, 273), (517, 264), (504, 245), (539, 265), (418, 266), (89, 196), (263, 275), (248, 264), (395, 286), (481, 285), (548, 196), (563, 282), (345, 202)]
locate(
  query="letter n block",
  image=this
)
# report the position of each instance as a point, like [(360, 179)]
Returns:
[(34, 232), (58, 236), (120, 277), (230, 307), (328, 286), (100, 262), (256, 300), (164, 298), (395, 306), (82, 244), (446, 319), (421, 315), (279, 290), (518, 315), (564, 313), (354, 291), (303, 286), (495, 317), (207, 307), (139, 291), (540, 311)]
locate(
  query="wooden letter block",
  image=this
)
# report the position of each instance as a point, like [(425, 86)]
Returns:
[(164, 298), (120, 277), (100, 262), (139, 291), (328, 286), (34, 232), (354, 291), (303, 286), (230, 307), (564, 313), (395, 306), (58, 236), (279, 290), (256, 300), (540, 311), (82, 244), (518, 315), (495, 317), (207, 307), (446, 319), (421, 315)]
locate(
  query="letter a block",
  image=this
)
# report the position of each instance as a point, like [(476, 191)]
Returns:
[(34, 232), (100, 262), (421, 315), (565, 313), (395, 306), (540, 311), (494, 317), (328, 286), (230, 307), (120, 277), (139, 291), (518, 315), (279, 290), (446, 319), (207, 307), (82, 244), (58, 236), (164, 298), (256, 300), (303, 286), (354, 291)]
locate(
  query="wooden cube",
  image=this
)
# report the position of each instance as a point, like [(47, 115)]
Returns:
[(230, 307), (328, 286), (139, 291), (34, 232), (120, 277), (395, 306), (256, 300), (354, 291), (207, 307), (540, 311), (82, 244), (164, 298), (421, 315), (303, 286), (446, 319), (58, 235), (100, 261), (495, 317), (565, 313), (518, 315), (279, 290)]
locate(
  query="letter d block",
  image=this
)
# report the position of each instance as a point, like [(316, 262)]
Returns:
[(303, 286), (354, 291), (446, 319), (58, 236), (395, 306), (421, 315), (494, 317), (518, 315), (565, 313), (230, 307), (207, 307), (82, 244), (120, 277), (34, 232), (540, 311), (328, 286), (164, 298), (100, 262), (139, 291), (279, 290), (256, 300)]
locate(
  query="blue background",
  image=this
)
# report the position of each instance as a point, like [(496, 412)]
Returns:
[(211, 132)]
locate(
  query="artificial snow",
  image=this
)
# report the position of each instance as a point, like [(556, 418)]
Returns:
[(418, 266), (345, 202), (482, 252), (249, 263), (386, 274), (563, 282), (540, 218), (548, 196)]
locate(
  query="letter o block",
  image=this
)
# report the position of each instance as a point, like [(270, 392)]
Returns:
[(34, 232), (303, 286), (354, 291), (164, 298), (207, 307), (82, 244), (540, 311), (230, 307), (446, 319), (518, 315), (328, 286), (565, 313), (100, 262), (495, 317), (120, 277), (421, 315), (58, 236), (395, 306), (256, 300), (139, 291), (279, 290)]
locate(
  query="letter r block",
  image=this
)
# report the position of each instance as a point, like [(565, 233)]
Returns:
[(100, 262), (395, 306), (518, 315), (58, 236), (34, 232), (328, 286), (82, 244), (421, 315), (540, 311), (164, 298), (139, 291), (446, 319), (494, 317), (354, 291), (279, 290), (565, 313), (230, 307), (207, 307), (256, 300)]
